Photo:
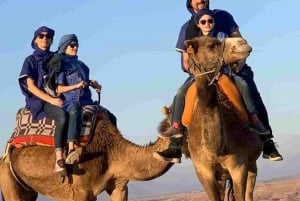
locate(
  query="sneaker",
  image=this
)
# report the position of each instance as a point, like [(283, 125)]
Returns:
[(60, 167), (73, 157), (259, 128), (172, 132), (170, 155), (270, 152)]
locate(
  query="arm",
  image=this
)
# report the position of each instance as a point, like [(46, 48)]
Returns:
[(185, 61), (41, 94), (236, 33), (63, 89)]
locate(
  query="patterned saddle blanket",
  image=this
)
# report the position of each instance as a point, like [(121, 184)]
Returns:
[(30, 132)]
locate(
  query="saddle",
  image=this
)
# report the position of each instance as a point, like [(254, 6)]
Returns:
[(29, 132), (228, 88)]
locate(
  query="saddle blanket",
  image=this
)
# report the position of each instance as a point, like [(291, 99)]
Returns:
[(228, 88), (30, 132)]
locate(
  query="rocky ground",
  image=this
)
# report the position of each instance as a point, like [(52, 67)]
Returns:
[(285, 189)]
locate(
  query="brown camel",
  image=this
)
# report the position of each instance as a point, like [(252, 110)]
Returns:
[(109, 163), (219, 147)]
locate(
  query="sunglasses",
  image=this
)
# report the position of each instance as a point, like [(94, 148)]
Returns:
[(41, 36), (209, 21), (72, 45)]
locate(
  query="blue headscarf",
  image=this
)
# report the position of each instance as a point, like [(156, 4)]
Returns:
[(41, 29), (65, 41)]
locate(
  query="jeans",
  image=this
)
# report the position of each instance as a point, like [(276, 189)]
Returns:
[(245, 92), (74, 123), (247, 75), (59, 116), (179, 99)]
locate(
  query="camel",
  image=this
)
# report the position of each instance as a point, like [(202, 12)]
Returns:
[(219, 147), (109, 162)]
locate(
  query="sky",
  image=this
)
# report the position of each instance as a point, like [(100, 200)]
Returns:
[(129, 48)]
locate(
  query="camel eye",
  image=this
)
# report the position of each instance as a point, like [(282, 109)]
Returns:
[(211, 47)]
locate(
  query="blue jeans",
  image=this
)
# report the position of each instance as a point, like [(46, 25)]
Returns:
[(179, 99), (74, 123), (60, 118), (251, 96)]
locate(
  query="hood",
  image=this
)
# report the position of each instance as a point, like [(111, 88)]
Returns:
[(190, 9)]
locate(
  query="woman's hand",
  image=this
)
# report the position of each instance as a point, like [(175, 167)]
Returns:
[(81, 84), (96, 85), (56, 101)]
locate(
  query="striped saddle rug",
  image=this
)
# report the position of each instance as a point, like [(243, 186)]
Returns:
[(30, 132)]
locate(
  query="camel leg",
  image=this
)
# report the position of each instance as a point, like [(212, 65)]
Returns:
[(118, 191), (239, 178), (209, 183), (11, 190), (251, 179), (221, 186)]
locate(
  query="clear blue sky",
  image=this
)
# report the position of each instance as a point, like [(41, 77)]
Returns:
[(129, 47)]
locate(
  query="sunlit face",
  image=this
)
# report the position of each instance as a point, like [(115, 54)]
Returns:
[(199, 4), (206, 24), (72, 49), (43, 40)]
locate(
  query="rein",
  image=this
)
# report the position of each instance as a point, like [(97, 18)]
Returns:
[(219, 63)]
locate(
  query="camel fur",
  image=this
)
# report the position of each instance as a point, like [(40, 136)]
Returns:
[(109, 163), (219, 147)]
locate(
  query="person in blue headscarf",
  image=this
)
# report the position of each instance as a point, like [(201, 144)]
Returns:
[(38, 102), (73, 84)]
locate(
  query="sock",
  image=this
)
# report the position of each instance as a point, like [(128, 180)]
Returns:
[(176, 125)]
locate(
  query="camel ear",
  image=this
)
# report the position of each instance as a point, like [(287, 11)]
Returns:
[(165, 110), (192, 46)]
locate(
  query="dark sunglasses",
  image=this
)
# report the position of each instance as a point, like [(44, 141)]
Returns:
[(41, 36), (72, 45), (209, 21)]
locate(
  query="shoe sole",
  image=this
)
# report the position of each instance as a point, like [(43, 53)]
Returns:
[(171, 160), (255, 131), (178, 135), (278, 158), (72, 158)]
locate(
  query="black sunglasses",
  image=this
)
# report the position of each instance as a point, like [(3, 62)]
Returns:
[(209, 21), (72, 45), (41, 36)]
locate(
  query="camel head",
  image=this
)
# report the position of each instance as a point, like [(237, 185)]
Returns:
[(207, 54)]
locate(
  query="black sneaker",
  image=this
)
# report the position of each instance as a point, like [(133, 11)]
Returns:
[(170, 155), (270, 152), (259, 128), (172, 132)]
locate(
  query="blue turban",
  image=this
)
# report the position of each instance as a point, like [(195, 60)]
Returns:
[(202, 12), (65, 41), (41, 29)]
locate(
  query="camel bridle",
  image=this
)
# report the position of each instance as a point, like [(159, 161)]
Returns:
[(218, 65)]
